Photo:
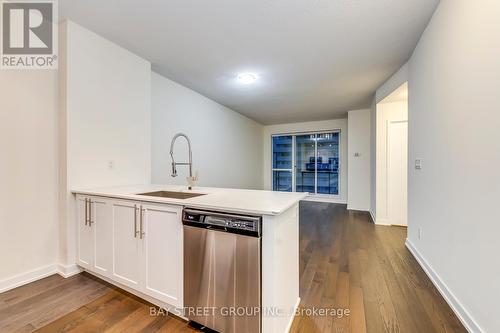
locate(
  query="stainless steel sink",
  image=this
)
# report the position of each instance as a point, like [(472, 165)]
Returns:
[(172, 194)]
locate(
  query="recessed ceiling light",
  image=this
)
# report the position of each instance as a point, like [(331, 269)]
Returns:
[(247, 78)]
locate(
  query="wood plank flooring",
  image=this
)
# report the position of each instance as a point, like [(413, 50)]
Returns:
[(34, 305), (346, 264)]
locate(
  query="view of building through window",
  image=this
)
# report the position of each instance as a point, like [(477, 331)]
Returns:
[(306, 163)]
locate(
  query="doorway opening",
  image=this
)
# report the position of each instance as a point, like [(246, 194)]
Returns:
[(392, 158)]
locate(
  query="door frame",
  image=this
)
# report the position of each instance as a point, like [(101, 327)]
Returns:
[(293, 173), (388, 156)]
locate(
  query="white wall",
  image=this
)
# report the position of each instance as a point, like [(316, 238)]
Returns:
[(105, 117), (325, 125), (227, 147), (393, 83), (28, 173), (386, 112), (358, 175), (454, 123), (108, 108)]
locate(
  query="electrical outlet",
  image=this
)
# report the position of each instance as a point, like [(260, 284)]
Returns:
[(419, 234), (111, 165)]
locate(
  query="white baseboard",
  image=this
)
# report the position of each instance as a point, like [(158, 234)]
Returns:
[(378, 221), (69, 270), (349, 207), (457, 307), (38, 274), (372, 215), (28, 277), (325, 199), (382, 222), (290, 323)]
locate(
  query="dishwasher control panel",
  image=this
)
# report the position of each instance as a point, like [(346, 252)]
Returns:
[(222, 221)]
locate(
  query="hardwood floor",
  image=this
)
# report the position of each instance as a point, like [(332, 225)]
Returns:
[(346, 264), (34, 305), (81, 303)]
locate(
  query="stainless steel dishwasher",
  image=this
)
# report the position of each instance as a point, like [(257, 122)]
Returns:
[(222, 271)]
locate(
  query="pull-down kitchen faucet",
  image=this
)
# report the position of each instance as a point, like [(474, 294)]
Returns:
[(190, 179)]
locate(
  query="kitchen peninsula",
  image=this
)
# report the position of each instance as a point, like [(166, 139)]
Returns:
[(133, 237)]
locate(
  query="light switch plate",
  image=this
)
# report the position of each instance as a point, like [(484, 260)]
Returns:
[(418, 164)]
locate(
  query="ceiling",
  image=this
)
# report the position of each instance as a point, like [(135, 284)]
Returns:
[(316, 59)]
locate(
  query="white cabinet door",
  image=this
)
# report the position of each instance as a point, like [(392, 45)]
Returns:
[(85, 233), (102, 224), (127, 250), (163, 253)]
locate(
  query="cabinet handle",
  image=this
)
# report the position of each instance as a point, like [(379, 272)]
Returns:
[(141, 232), (90, 213), (135, 221), (86, 211)]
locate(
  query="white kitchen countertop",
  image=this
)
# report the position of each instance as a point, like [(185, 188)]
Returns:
[(220, 199)]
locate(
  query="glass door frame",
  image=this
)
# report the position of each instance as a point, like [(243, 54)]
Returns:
[(294, 167), (294, 175), (280, 169)]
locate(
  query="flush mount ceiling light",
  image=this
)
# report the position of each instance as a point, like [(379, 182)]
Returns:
[(247, 78)]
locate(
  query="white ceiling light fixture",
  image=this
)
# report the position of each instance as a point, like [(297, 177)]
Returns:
[(247, 78)]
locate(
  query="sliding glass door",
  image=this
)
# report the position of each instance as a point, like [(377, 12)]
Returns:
[(327, 153), (307, 163), (282, 163)]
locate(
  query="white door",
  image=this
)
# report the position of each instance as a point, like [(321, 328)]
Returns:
[(163, 253), (102, 223), (126, 243), (85, 233), (398, 172)]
